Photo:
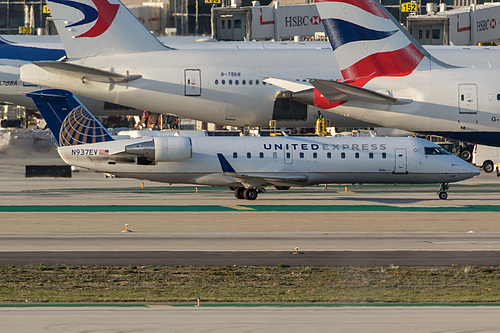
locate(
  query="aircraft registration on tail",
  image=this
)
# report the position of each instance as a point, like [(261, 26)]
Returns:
[(247, 164)]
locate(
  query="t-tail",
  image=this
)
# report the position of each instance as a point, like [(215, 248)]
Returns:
[(69, 121), (100, 27), (368, 42)]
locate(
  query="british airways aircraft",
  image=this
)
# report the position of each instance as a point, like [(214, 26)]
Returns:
[(112, 57), (389, 78), (248, 164)]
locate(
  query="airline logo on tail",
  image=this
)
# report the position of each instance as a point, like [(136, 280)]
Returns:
[(81, 127), (69, 121), (104, 15), (366, 42)]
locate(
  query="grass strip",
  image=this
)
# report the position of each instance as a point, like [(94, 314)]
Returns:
[(237, 284)]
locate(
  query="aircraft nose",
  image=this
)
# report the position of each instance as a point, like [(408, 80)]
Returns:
[(468, 168)]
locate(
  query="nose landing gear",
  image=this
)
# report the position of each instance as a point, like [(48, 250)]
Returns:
[(442, 191)]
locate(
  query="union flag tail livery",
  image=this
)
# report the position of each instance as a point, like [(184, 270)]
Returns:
[(100, 27), (368, 42), (69, 121)]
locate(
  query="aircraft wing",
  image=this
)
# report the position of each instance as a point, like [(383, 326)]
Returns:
[(85, 73), (261, 179), (292, 86), (339, 92)]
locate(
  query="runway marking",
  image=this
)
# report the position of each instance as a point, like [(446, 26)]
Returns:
[(221, 208), (238, 207)]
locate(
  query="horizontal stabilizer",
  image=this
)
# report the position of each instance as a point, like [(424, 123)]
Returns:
[(288, 85), (340, 92), (85, 73)]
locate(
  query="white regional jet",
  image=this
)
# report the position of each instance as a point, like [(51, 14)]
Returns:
[(112, 57), (248, 164), (389, 78)]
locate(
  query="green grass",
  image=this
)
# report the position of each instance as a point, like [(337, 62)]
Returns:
[(61, 284)]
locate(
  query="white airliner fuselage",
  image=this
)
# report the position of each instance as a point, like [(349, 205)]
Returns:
[(265, 161)]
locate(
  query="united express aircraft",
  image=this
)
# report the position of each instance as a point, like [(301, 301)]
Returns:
[(247, 164)]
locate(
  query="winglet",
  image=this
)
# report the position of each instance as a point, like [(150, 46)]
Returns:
[(226, 167), (69, 121)]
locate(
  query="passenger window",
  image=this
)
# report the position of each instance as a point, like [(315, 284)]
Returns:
[(243, 82), (301, 155), (223, 24), (216, 81), (328, 155), (261, 155), (230, 81), (235, 155), (237, 82), (250, 82), (356, 155), (223, 81), (498, 97), (370, 155), (256, 81), (275, 155), (288, 155), (315, 155), (384, 155), (342, 155), (229, 24), (249, 155)]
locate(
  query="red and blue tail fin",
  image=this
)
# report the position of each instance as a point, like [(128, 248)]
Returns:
[(69, 121), (100, 27), (368, 42)]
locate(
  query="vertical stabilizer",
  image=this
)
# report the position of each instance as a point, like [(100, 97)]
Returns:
[(100, 27), (69, 121), (368, 42)]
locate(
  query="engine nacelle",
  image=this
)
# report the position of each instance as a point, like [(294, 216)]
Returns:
[(173, 148), (163, 149)]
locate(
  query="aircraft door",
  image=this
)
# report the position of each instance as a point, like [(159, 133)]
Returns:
[(192, 82), (288, 155), (467, 98), (400, 163)]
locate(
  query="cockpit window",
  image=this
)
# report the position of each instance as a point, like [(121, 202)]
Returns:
[(436, 151)]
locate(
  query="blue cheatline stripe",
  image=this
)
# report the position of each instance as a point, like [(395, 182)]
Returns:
[(341, 32), (28, 53)]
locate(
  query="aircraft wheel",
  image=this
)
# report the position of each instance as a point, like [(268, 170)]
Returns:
[(466, 155), (282, 188), (488, 166), (238, 193), (250, 194), (443, 195)]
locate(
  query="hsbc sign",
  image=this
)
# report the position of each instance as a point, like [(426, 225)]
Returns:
[(301, 21), (285, 21)]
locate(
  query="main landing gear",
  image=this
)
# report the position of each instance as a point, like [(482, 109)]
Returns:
[(249, 193), (442, 191)]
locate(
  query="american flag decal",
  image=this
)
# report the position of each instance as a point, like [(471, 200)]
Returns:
[(103, 152)]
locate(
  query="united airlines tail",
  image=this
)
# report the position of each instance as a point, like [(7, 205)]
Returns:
[(368, 42), (69, 121), (100, 27)]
